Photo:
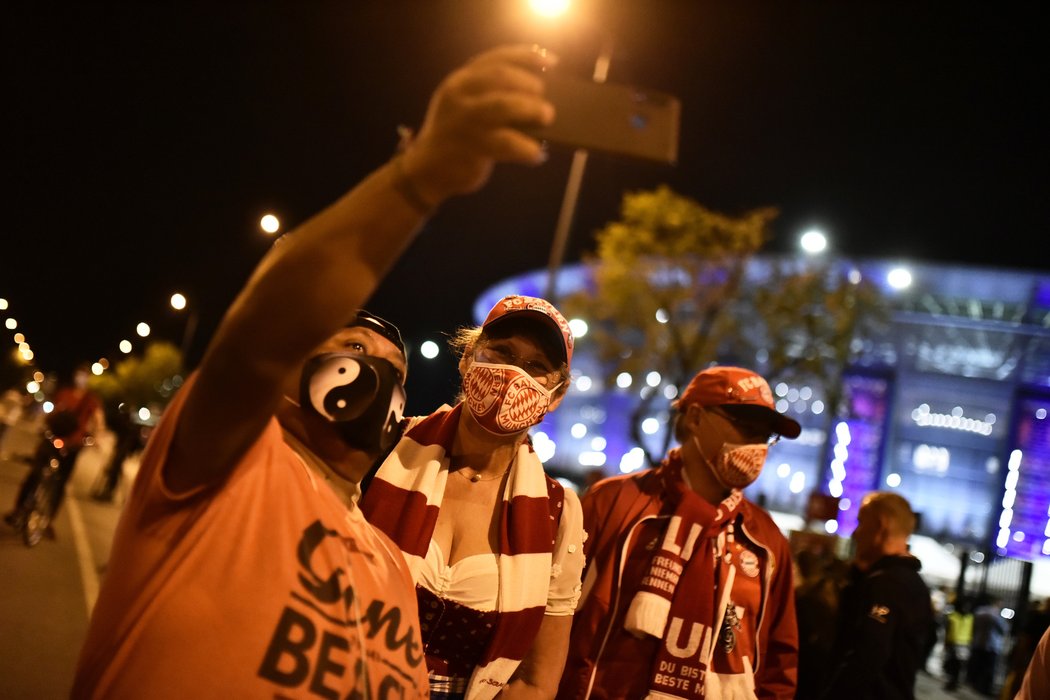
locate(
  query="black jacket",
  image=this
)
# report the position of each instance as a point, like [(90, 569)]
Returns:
[(884, 622)]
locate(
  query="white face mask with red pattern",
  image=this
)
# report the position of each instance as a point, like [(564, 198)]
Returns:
[(737, 466), (504, 399)]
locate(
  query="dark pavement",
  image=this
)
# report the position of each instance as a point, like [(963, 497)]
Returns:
[(931, 685), (48, 591)]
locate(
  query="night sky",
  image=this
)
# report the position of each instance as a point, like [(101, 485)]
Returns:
[(143, 141)]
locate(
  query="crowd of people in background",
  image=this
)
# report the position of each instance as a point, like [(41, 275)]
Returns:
[(978, 647), (63, 417), (460, 569)]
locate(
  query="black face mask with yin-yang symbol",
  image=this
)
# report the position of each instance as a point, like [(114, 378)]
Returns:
[(359, 394)]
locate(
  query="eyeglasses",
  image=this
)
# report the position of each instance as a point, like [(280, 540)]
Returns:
[(501, 354), (753, 427)]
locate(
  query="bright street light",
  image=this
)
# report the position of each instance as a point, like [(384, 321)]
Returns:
[(899, 278), (429, 349), (270, 224), (549, 8), (813, 242), (578, 327), (142, 329), (178, 301)]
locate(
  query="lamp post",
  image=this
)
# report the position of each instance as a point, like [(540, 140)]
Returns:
[(572, 186), (579, 160), (270, 224), (178, 302)]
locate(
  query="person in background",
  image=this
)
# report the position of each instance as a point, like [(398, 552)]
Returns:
[(127, 434), (958, 636), (884, 611), (989, 635), (495, 545), (688, 588), (821, 577), (241, 566), (1034, 625), (75, 417), (10, 413), (939, 605)]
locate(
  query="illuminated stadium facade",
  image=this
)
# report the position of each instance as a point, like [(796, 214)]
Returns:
[(950, 409)]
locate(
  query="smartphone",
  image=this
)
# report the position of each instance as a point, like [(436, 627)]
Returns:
[(614, 118)]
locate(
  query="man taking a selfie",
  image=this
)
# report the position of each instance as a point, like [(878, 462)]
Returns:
[(238, 569)]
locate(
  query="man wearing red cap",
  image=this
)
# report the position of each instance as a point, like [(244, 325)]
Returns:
[(688, 586)]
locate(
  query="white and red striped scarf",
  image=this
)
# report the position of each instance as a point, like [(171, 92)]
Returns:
[(681, 600), (403, 501)]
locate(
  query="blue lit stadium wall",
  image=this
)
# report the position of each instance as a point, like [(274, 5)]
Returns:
[(951, 411)]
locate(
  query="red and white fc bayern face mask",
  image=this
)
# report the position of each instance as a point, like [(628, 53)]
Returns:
[(504, 399), (737, 466)]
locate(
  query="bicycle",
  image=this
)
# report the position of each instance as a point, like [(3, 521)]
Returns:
[(33, 514)]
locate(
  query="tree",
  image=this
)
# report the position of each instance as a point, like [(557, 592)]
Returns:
[(664, 278), (671, 290), (149, 380), (818, 321)]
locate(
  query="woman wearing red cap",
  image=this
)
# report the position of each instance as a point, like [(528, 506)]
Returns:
[(689, 591), (495, 546)]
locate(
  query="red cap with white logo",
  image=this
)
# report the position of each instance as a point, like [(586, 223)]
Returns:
[(542, 310), (727, 386)]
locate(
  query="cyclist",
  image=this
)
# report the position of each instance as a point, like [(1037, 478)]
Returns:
[(128, 433)]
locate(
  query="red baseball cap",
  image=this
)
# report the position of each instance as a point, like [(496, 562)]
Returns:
[(728, 386), (540, 309)]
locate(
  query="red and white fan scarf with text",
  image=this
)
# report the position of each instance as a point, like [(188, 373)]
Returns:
[(680, 600)]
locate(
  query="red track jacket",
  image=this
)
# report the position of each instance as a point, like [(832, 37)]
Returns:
[(607, 662)]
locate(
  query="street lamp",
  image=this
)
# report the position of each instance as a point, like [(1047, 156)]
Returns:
[(899, 277), (579, 161), (178, 302), (813, 242), (550, 8), (270, 224)]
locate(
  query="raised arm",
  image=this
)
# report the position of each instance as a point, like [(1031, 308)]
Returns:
[(309, 286)]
